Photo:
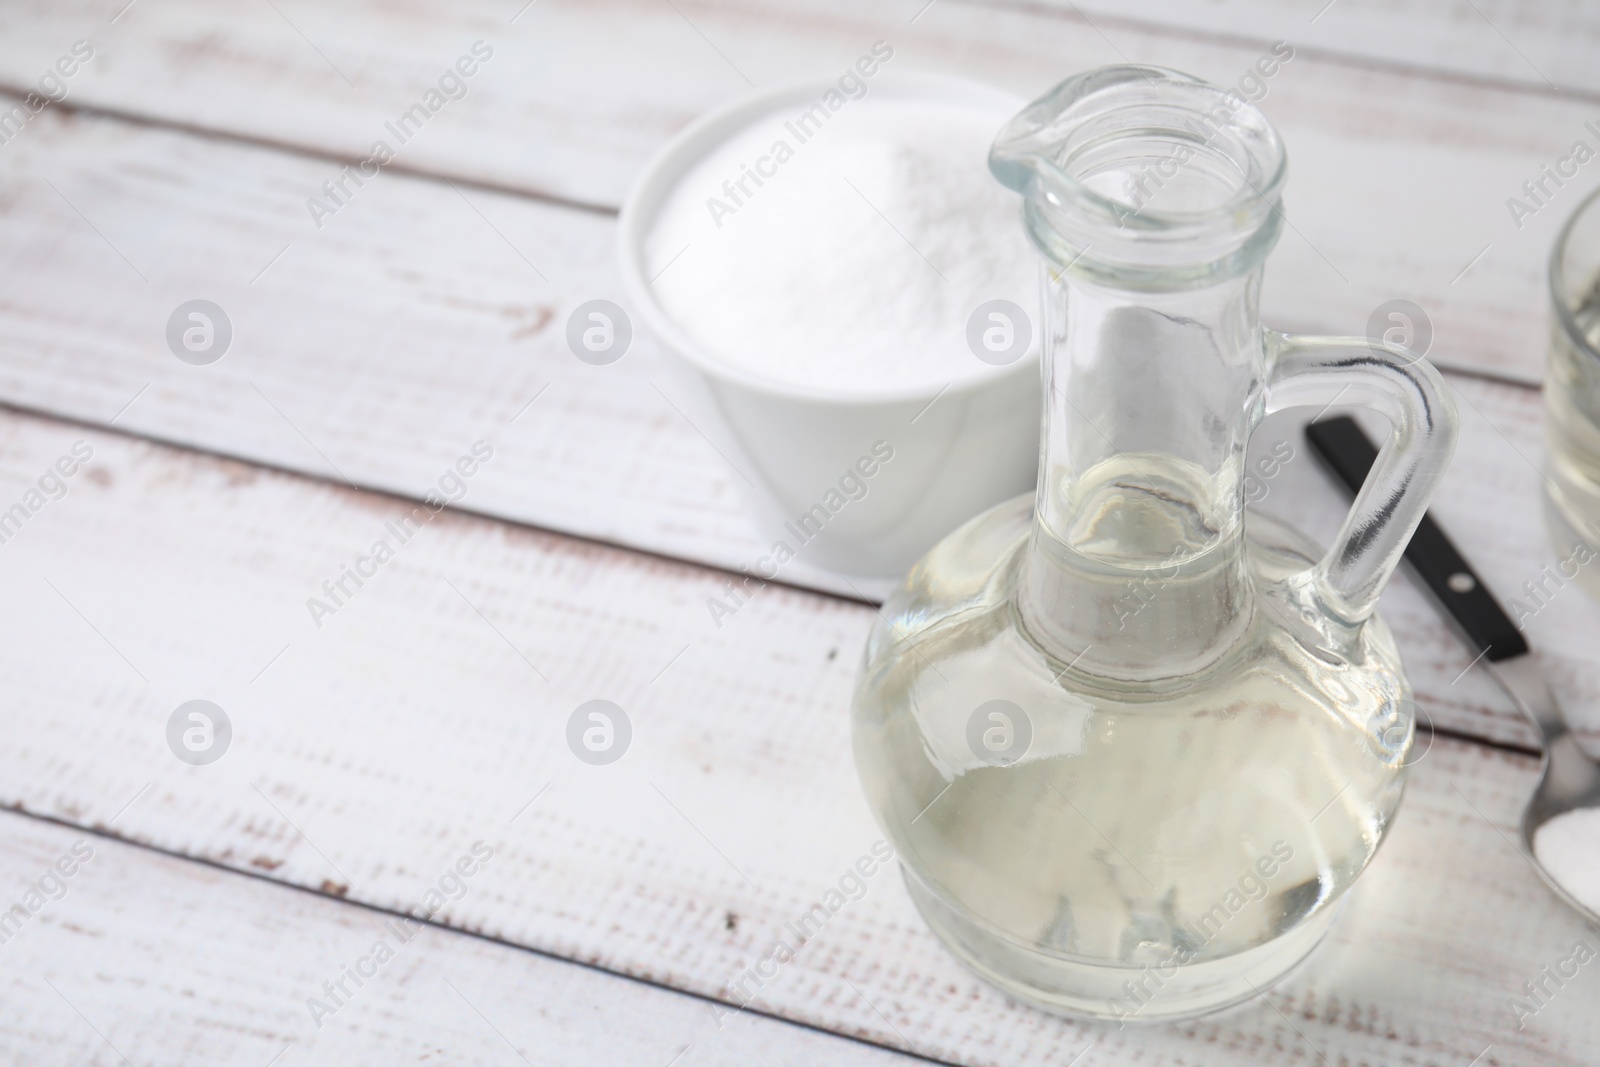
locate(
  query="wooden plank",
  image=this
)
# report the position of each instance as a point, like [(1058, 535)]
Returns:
[(381, 351), (431, 708), (159, 960), (1541, 48), (378, 352), (1400, 181)]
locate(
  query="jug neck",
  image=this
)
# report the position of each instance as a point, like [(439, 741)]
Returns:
[(1154, 198), (1136, 564)]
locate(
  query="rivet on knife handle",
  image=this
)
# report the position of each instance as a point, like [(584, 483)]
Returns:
[(1349, 454)]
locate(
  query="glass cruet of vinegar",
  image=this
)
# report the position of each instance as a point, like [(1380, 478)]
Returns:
[(1131, 753)]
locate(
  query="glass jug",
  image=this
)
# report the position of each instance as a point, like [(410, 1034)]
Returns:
[(1132, 753)]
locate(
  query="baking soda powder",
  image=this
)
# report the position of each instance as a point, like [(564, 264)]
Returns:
[(851, 261)]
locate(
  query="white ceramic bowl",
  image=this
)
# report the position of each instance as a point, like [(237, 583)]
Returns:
[(955, 451)]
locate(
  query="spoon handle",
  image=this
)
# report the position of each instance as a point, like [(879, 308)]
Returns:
[(1349, 454)]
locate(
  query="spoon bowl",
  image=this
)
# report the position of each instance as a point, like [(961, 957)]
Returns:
[(1569, 780)]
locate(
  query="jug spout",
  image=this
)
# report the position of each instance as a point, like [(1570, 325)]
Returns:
[(1149, 174)]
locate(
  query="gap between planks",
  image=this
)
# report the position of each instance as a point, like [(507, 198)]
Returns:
[(531, 194), (1355, 60), (306, 151), (335, 482), (1509, 747), (106, 834), (1048, 9)]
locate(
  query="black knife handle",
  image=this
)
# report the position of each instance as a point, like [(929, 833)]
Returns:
[(1454, 584)]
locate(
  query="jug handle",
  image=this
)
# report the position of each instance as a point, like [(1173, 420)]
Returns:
[(1404, 387)]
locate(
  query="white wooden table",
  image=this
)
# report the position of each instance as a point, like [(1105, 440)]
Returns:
[(223, 904)]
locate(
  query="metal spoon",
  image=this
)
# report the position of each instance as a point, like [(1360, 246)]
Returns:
[(1568, 779)]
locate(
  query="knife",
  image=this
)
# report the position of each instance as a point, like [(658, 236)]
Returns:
[(1457, 589)]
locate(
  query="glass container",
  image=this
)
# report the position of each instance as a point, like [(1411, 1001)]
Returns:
[(1572, 402), (1131, 750)]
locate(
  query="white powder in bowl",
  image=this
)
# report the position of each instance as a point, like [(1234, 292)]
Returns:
[(856, 264), (1568, 846)]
